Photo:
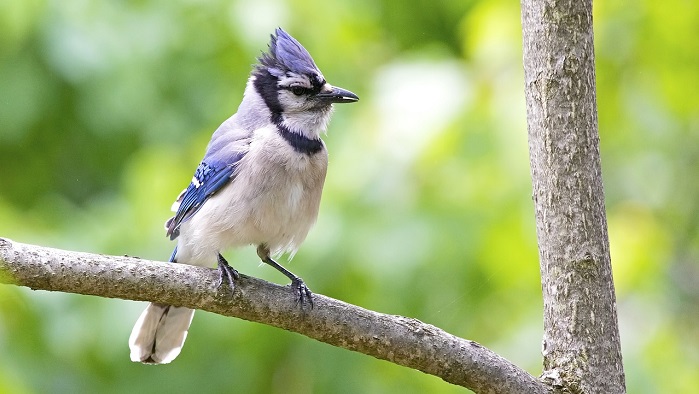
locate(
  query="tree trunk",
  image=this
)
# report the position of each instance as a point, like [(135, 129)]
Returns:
[(581, 345)]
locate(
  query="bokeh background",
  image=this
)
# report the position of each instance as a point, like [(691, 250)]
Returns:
[(106, 108)]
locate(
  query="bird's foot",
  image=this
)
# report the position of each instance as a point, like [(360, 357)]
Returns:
[(305, 295), (225, 271)]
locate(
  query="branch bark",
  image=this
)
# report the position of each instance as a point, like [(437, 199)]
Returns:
[(581, 344), (401, 340)]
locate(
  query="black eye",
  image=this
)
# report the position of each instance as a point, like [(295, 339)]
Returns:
[(298, 90)]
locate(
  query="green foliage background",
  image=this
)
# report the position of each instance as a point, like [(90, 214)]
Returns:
[(106, 107)]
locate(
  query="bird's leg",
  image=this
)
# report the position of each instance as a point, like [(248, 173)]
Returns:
[(304, 293), (227, 272)]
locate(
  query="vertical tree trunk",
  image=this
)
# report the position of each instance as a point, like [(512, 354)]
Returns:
[(581, 345)]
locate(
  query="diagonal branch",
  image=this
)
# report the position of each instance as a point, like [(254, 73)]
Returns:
[(401, 340)]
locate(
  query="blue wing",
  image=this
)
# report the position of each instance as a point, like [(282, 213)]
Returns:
[(208, 179)]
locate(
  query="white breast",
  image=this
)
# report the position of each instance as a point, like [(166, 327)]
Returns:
[(273, 199)]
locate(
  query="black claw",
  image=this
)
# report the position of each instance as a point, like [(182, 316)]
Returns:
[(227, 272), (305, 295)]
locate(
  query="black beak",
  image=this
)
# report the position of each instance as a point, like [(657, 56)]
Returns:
[(337, 95)]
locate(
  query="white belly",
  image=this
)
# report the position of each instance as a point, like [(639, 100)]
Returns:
[(273, 200)]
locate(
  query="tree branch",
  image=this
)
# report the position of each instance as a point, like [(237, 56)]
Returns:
[(401, 340)]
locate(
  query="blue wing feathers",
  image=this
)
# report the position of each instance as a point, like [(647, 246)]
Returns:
[(208, 179), (172, 256)]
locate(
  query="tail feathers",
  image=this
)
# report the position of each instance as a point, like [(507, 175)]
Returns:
[(159, 333)]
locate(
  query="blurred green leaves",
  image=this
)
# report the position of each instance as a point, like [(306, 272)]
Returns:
[(106, 108)]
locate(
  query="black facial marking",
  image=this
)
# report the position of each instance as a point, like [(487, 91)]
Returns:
[(266, 85), (317, 81)]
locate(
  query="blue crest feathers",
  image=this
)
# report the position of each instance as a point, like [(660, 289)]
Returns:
[(287, 54)]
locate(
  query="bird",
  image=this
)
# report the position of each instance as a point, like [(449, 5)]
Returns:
[(259, 183)]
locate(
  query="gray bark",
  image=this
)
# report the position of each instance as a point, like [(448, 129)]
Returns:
[(401, 340), (581, 345)]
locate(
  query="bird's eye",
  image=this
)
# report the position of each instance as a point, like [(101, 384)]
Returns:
[(298, 90)]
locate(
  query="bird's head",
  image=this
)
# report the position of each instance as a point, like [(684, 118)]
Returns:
[(293, 88)]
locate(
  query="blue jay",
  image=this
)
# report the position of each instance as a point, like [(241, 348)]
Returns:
[(259, 183)]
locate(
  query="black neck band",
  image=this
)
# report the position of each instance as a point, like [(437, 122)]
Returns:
[(299, 142)]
